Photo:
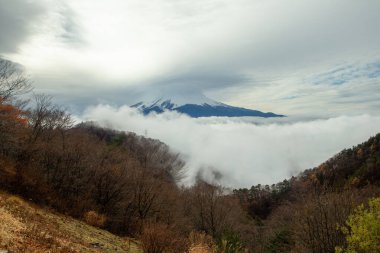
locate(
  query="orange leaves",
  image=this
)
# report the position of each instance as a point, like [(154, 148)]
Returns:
[(11, 114)]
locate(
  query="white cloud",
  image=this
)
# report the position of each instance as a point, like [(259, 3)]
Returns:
[(244, 152)]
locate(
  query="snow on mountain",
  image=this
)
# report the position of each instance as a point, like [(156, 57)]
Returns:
[(180, 100), (198, 106)]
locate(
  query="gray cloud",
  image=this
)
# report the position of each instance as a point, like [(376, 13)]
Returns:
[(16, 19), (284, 36), (80, 90), (197, 81), (78, 99), (71, 29), (349, 73), (21, 19)]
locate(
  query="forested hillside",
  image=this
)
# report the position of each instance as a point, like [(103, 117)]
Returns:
[(302, 214), (128, 185)]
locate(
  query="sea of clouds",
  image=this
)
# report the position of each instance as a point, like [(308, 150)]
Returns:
[(240, 152)]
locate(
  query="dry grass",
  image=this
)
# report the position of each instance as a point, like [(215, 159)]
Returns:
[(10, 228), (201, 243), (200, 249), (25, 227)]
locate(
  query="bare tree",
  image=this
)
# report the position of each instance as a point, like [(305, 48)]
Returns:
[(47, 117), (13, 82), (317, 219), (157, 157), (210, 208)]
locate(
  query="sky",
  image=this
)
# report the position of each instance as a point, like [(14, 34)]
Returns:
[(318, 62), (290, 56)]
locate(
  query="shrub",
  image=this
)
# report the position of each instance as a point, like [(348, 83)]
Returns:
[(158, 238), (230, 242), (95, 219), (362, 229)]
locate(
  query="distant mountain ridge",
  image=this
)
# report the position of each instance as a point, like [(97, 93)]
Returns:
[(199, 106)]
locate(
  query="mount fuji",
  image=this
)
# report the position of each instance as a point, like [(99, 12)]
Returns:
[(198, 106)]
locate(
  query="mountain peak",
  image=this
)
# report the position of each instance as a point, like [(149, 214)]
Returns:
[(180, 100), (198, 106)]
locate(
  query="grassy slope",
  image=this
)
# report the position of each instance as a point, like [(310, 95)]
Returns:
[(25, 227)]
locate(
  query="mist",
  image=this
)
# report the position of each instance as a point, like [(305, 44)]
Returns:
[(241, 152)]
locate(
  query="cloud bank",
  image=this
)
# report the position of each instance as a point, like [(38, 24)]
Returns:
[(245, 151)]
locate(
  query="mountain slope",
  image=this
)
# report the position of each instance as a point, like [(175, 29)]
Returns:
[(26, 227), (199, 107), (358, 166)]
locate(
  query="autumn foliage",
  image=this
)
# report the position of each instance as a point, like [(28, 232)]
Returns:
[(11, 114)]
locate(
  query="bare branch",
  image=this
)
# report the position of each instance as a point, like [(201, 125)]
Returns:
[(12, 80)]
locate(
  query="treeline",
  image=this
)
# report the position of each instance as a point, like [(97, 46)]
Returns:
[(128, 185)]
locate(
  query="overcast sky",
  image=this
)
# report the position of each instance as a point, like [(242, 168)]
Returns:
[(289, 56), (317, 61)]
